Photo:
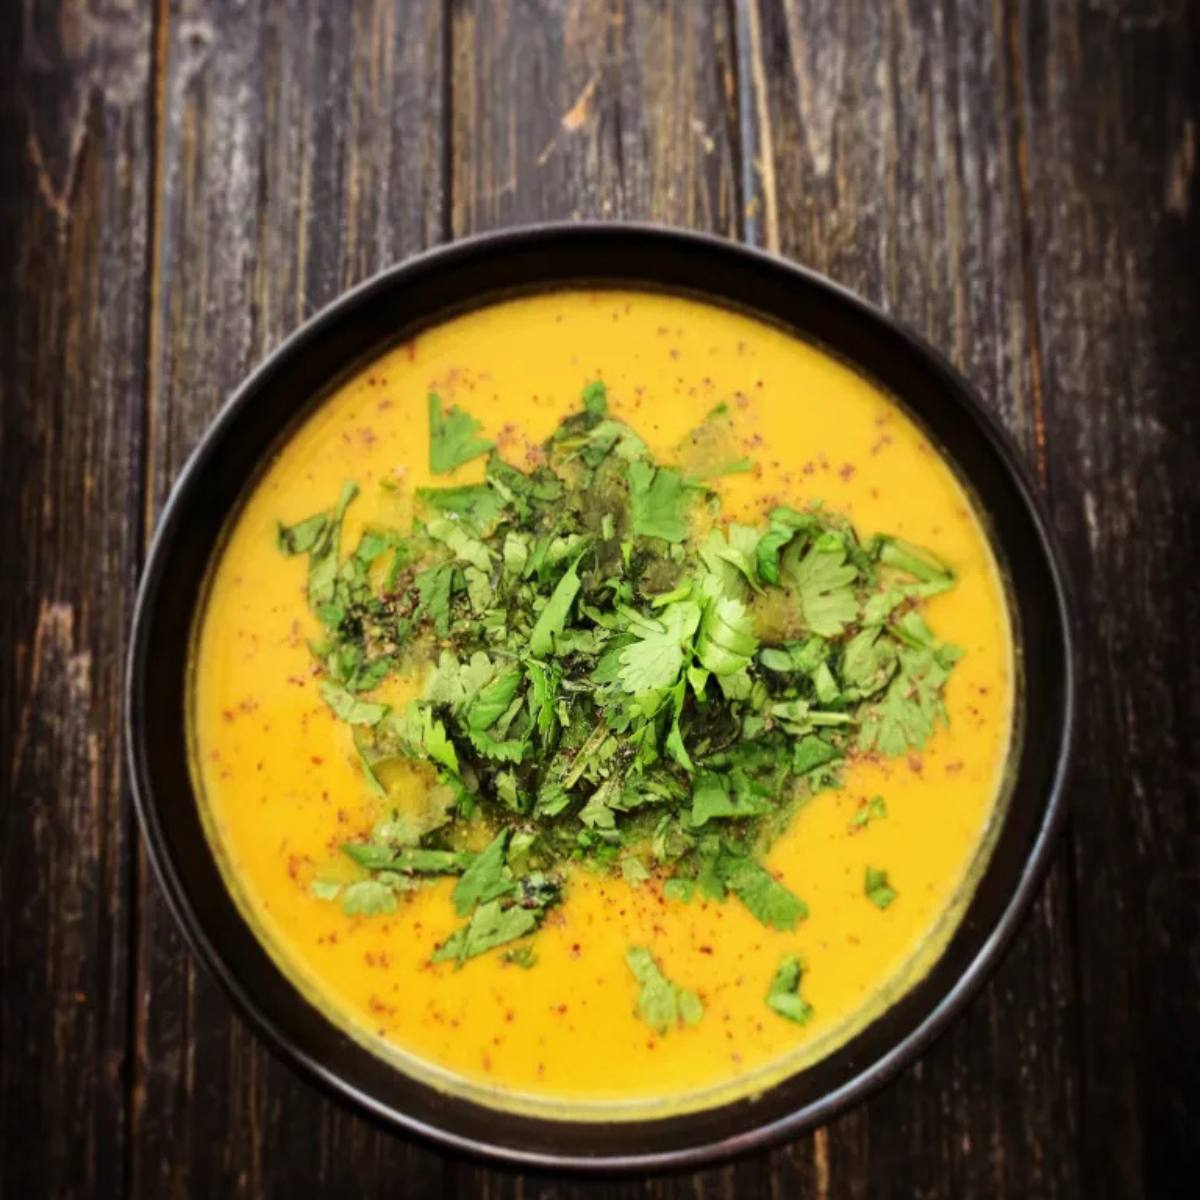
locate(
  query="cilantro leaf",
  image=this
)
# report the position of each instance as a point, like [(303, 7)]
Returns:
[(553, 617), (784, 993), (822, 580), (368, 898), (653, 662), (595, 398), (714, 797), (452, 437), (325, 889), (323, 550), (475, 504), (726, 642), (490, 926), (661, 1004), (877, 889), (493, 700), (680, 890), (433, 592), (485, 878), (763, 894), (303, 536), (350, 708), (411, 860), (875, 809), (660, 500), (460, 542)]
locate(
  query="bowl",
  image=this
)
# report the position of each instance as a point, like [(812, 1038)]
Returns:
[(395, 305)]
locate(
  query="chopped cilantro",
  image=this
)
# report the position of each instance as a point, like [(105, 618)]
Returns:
[(873, 810), (878, 890), (595, 399), (681, 890), (452, 437), (486, 878), (764, 895), (661, 1004), (823, 579), (613, 676), (553, 617), (368, 898), (784, 993), (660, 500), (351, 709), (490, 926)]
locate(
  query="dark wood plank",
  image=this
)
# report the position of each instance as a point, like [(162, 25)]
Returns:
[(888, 158), (604, 108), (74, 153), (1112, 104), (300, 150)]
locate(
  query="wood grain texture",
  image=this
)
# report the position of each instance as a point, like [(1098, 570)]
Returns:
[(74, 152), (182, 182), (1112, 101), (593, 108), (299, 150)]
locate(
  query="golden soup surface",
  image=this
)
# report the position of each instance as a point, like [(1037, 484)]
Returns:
[(281, 787)]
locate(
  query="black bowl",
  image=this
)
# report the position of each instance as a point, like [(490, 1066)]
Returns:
[(393, 306)]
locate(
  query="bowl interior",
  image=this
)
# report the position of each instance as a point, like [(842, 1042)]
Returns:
[(397, 304)]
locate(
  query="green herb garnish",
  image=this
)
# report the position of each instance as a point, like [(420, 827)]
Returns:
[(452, 437), (614, 677), (784, 993), (877, 889), (661, 1004), (875, 809)]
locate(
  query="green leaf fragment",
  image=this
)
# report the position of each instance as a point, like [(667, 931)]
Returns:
[(453, 437), (877, 889), (662, 1005), (783, 995)]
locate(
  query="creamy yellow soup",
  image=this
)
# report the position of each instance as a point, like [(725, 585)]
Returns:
[(282, 789)]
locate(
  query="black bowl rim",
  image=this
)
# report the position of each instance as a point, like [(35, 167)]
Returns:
[(942, 1012)]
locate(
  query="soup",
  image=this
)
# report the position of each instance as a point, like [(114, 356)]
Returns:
[(601, 704)]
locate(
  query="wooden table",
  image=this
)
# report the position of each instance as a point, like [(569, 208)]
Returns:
[(183, 183)]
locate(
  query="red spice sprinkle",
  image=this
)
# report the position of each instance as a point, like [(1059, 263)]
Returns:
[(847, 471), (317, 760), (705, 949)]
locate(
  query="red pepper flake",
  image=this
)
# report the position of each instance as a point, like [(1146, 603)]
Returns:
[(847, 471), (317, 760), (915, 765), (705, 949)]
